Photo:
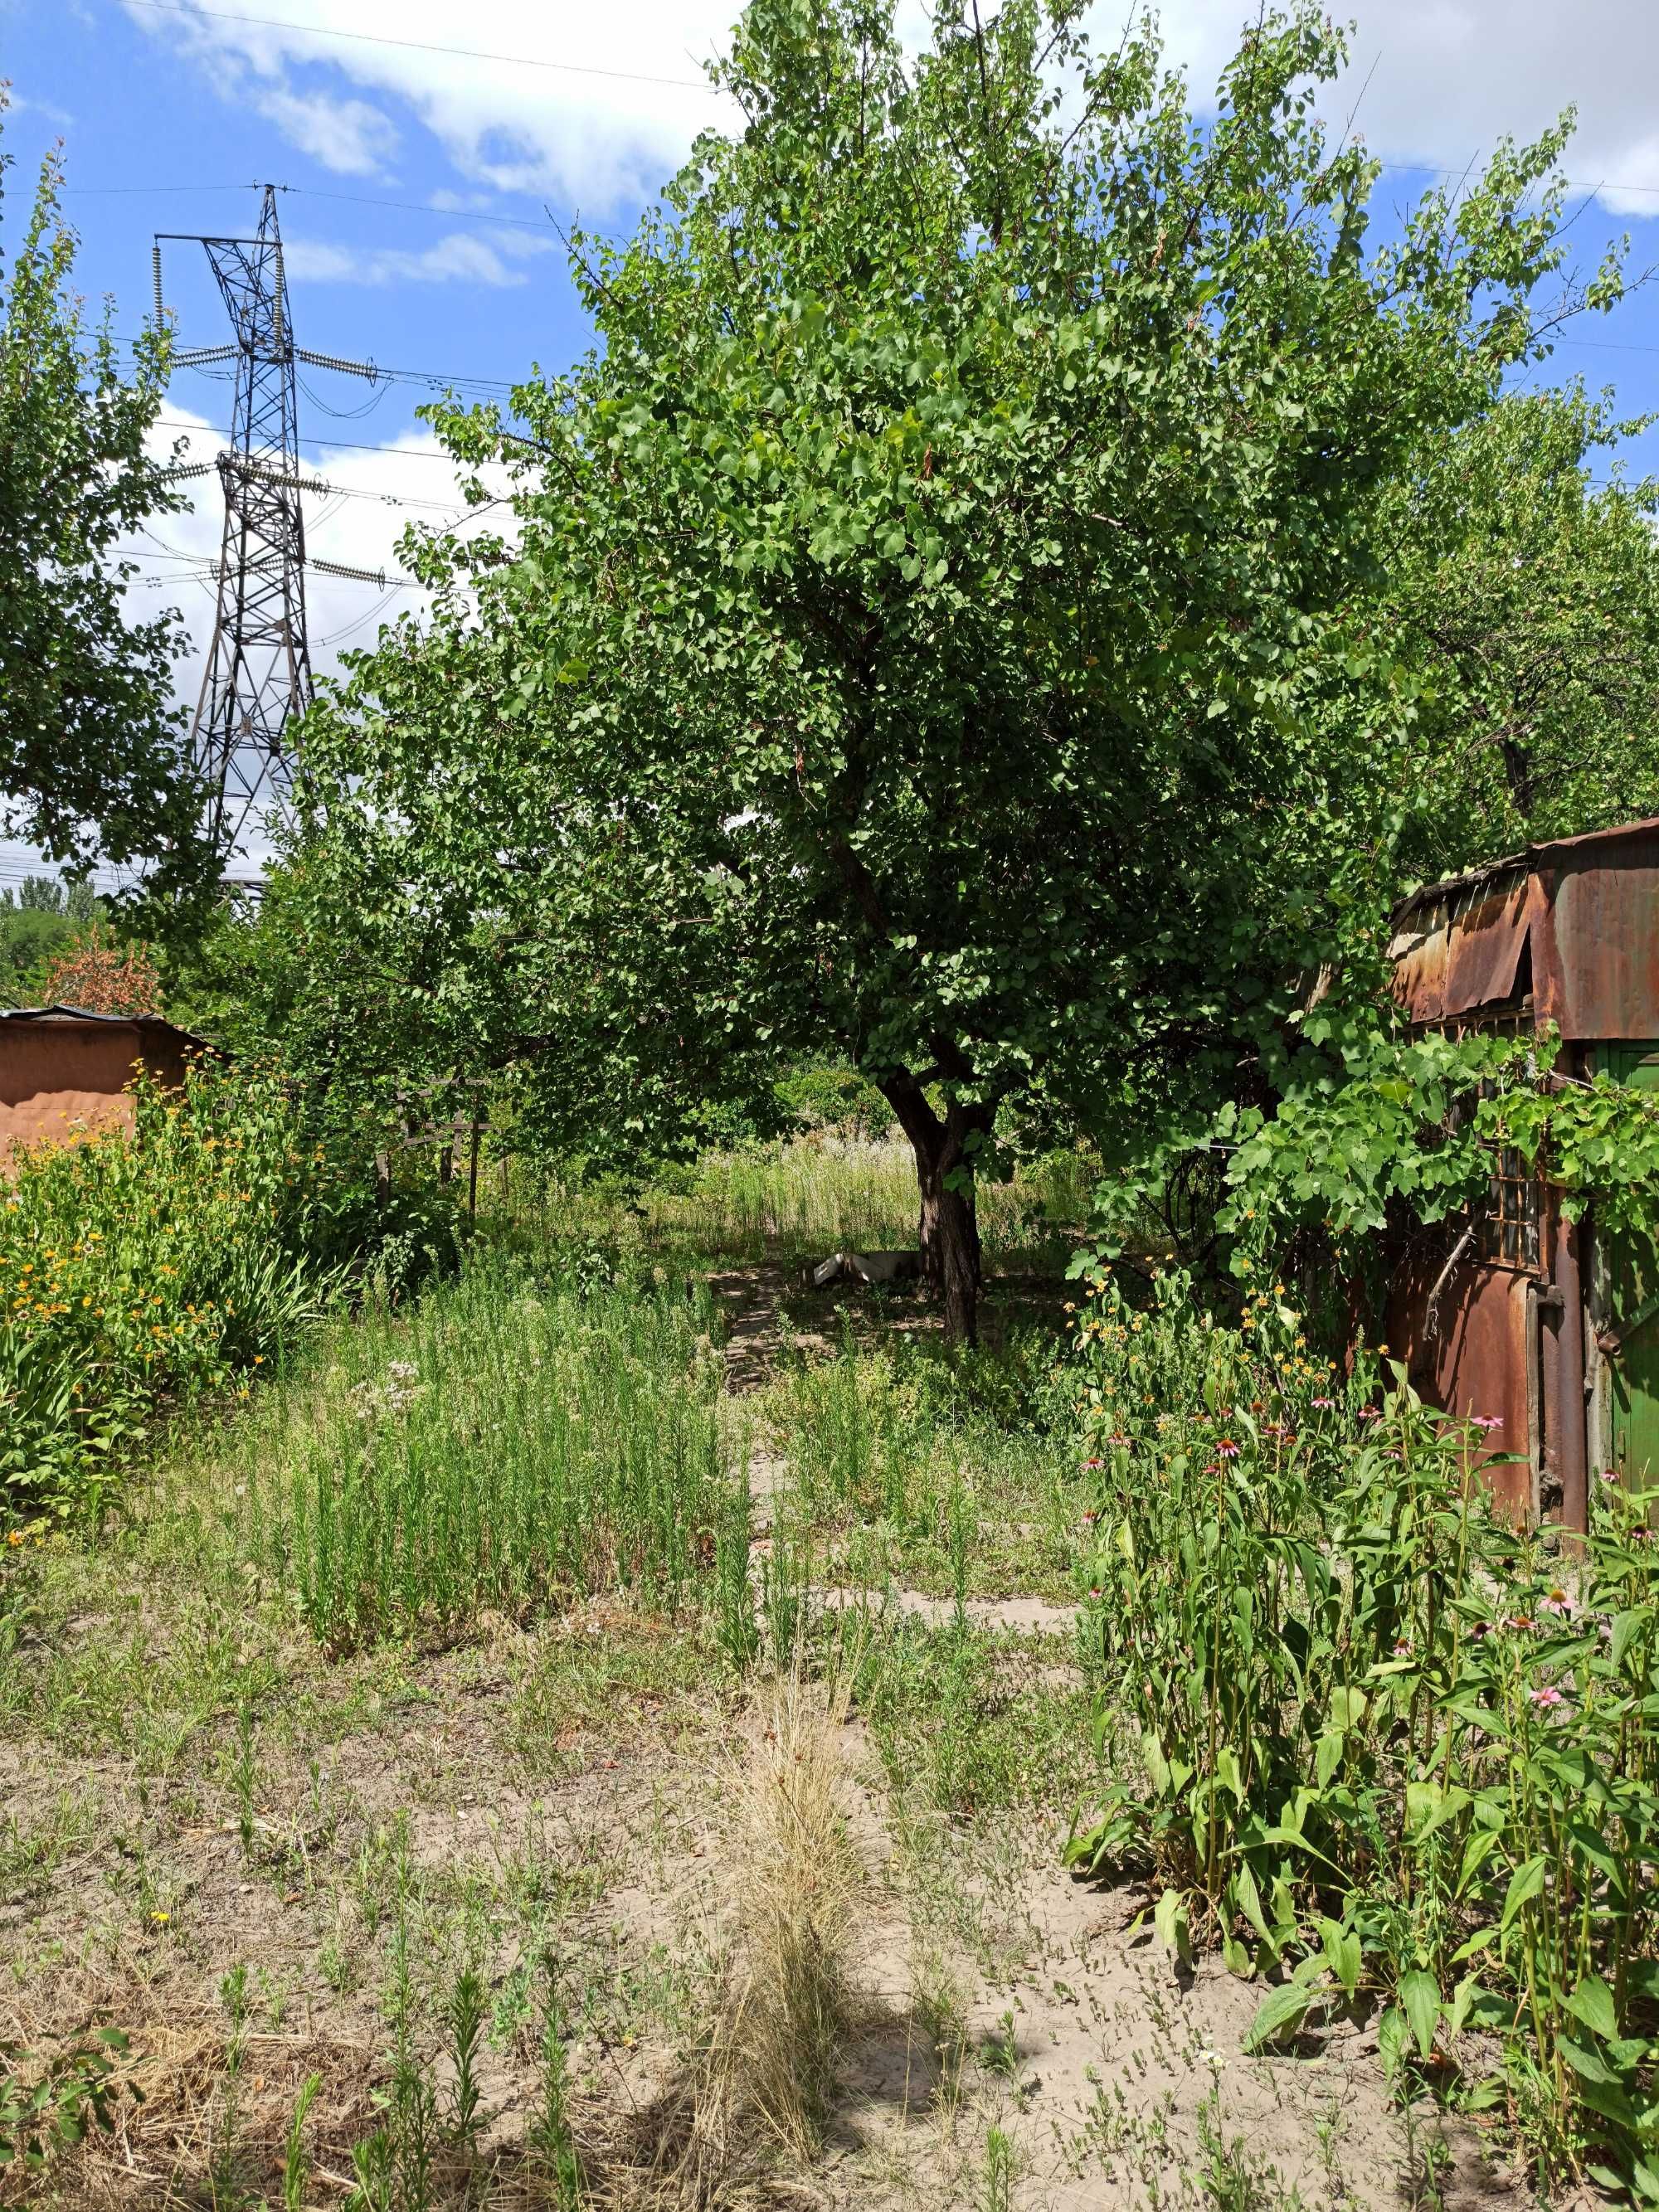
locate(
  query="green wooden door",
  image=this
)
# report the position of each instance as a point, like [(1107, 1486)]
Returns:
[(1633, 1282)]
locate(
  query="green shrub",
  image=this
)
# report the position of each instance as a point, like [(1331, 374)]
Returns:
[(143, 1266), (830, 1094), (1396, 1749)]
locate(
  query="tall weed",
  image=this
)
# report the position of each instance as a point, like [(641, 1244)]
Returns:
[(821, 1193), (531, 1443), (1397, 1749)]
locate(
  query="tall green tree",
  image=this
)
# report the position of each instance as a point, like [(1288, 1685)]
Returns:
[(92, 758), (1524, 589), (937, 628)]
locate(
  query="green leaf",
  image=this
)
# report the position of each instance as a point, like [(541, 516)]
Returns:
[(1525, 1883), (1419, 1999), (1429, 1806), (1348, 1709), (1282, 2009), (1625, 1626), (1343, 1954), (1169, 1919), (1591, 2002), (1249, 1900)]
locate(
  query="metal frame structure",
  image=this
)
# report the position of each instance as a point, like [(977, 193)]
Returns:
[(259, 671)]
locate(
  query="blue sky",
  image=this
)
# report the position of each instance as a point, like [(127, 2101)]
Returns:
[(169, 113)]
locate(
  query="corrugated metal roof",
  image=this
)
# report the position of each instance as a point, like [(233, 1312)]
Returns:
[(1529, 858), (1582, 911)]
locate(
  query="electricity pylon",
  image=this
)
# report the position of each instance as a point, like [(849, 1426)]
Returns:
[(259, 669)]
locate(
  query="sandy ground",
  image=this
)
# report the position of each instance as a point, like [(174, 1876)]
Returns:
[(566, 1793)]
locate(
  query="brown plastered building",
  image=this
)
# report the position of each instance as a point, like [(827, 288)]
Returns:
[(1517, 1313), (64, 1071)]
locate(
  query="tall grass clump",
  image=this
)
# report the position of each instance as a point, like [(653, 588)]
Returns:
[(143, 1266), (521, 1441), (1399, 1753), (819, 1194)]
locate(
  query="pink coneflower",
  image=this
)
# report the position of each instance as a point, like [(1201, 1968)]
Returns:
[(1226, 1449), (1090, 1517), (1095, 1591), (1547, 1700), (1487, 1421), (1402, 1650), (1093, 1465), (1118, 1443), (1520, 1621), (1370, 1414), (1321, 1404), (1558, 1601)]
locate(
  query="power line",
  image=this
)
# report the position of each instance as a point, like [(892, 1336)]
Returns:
[(337, 445), (312, 192), (1454, 169), (423, 45), (439, 377)]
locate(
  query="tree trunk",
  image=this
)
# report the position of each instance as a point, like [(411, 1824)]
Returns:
[(947, 1234)]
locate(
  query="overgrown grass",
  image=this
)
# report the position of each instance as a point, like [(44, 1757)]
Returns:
[(141, 1270), (935, 1470), (817, 1195), (528, 1442), (970, 1723), (143, 1266)]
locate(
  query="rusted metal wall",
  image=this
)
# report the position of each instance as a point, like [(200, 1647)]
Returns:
[(1565, 935), (1462, 951), (1474, 1361), (1595, 933), (1575, 922), (61, 1076)]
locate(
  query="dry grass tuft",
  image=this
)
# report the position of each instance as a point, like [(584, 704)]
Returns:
[(766, 2080)]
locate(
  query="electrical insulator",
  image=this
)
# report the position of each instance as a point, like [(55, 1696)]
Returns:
[(155, 265), (333, 361)]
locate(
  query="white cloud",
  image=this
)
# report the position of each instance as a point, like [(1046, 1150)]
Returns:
[(596, 133), (461, 258), (1450, 77), (347, 135), (1442, 80)]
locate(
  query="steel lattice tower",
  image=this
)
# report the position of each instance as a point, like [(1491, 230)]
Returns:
[(259, 669)]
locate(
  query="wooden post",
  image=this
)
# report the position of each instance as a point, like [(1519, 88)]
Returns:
[(472, 1171)]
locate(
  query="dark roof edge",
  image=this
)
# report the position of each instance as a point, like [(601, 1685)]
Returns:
[(117, 1021), (1529, 858)]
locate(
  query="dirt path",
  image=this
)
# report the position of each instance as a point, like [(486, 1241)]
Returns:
[(1080, 2068)]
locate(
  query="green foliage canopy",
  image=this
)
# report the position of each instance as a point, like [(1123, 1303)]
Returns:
[(92, 756), (936, 629), (1525, 597)]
